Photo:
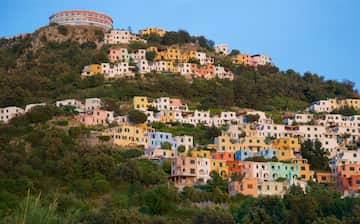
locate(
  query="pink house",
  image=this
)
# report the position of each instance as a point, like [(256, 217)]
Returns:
[(118, 55), (96, 117), (177, 104)]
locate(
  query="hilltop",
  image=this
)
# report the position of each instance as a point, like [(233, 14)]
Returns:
[(46, 65)]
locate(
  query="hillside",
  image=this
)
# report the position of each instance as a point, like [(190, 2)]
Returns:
[(46, 65), (185, 150)]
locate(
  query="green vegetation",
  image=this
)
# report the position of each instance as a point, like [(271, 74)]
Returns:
[(137, 117), (150, 55), (63, 30), (316, 156)]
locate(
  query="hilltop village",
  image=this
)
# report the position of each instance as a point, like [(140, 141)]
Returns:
[(227, 151)]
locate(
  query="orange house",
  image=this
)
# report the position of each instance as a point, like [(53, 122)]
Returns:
[(201, 154), (349, 185), (234, 167), (206, 71), (248, 186), (243, 59), (324, 177), (227, 156), (348, 170)]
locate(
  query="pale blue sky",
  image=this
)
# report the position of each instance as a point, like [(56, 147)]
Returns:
[(321, 36)]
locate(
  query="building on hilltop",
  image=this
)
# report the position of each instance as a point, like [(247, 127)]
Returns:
[(82, 17)]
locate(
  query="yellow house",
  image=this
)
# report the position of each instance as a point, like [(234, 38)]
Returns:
[(170, 67), (241, 59), (142, 103), (350, 103), (255, 144), (211, 146), (167, 116), (172, 54), (201, 154), (128, 135), (93, 69), (287, 147), (287, 143), (223, 143), (285, 154), (153, 30), (305, 172), (220, 166)]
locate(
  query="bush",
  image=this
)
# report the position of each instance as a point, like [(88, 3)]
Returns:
[(150, 55), (62, 123), (104, 138), (211, 216), (166, 145), (181, 148), (63, 30), (99, 34), (137, 117), (160, 200)]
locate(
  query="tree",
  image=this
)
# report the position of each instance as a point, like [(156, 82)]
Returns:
[(150, 55), (316, 156), (166, 145), (63, 30), (152, 38), (137, 117), (212, 216), (213, 132), (250, 118), (181, 148), (234, 52), (194, 61), (160, 200), (216, 182), (130, 172)]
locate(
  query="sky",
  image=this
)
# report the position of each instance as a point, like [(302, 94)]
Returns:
[(320, 36)]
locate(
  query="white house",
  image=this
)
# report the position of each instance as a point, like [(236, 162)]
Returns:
[(222, 49), (92, 104), (118, 70), (31, 106), (121, 37), (8, 113)]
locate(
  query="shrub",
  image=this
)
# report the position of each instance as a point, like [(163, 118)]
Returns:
[(62, 123), (63, 30), (137, 117), (181, 148), (104, 138)]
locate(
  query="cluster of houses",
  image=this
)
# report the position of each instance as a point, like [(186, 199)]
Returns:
[(187, 62), (169, 60), (257, 156), (329, 105), (242, 140), (8, 113)]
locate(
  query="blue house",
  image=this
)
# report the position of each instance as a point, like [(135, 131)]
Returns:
[(243, 154), (268, 153), (156, 139)]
